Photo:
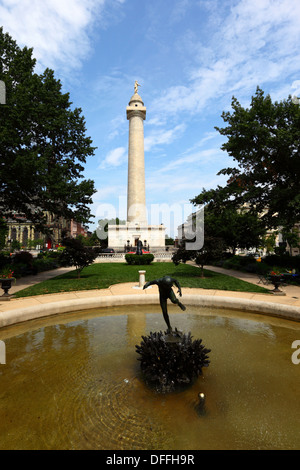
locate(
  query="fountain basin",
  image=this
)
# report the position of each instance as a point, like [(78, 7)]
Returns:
[(54, 307), (72, 381)]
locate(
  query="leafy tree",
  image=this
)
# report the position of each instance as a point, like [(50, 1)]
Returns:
[(35, 243), (291, 237), (224, 228), (3, 232), (264, 141), (241, 228), (93, 240), (15, 245), (77, 254), (43, 142), (269, 242), (169, 241), (213, 248)]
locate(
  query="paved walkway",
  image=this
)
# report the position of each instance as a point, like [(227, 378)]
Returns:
[(291, 292), (28, 281)]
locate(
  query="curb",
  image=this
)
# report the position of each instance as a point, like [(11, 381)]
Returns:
[(20, 315)]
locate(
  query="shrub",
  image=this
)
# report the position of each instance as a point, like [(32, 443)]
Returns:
[(23, 257), (4, 260), (239, 262), (283, 261), (77, 254), (139, 259), (261, 268), (44, 264), (20, 269)]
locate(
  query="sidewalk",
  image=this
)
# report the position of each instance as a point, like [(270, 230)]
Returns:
[(28, 281), (292, 292)]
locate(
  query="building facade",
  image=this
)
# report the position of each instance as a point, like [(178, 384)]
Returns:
[(23, 231)]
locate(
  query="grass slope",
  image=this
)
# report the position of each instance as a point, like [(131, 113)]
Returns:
[(103, 275)]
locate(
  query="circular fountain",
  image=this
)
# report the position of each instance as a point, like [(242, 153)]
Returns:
[(73, 381)]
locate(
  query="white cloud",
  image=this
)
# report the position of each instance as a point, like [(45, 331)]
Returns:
[(105, 192), (163, 137), (114, 158), (257, 43), (200, 158), (296, 87), (190, 183), (58, 30)]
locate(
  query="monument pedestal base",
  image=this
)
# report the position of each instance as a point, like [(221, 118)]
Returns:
[(121, 236)]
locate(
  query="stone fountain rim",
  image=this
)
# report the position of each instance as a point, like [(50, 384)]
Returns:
[(272, 309)]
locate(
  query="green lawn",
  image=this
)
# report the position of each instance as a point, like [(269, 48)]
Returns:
[(103, 275)]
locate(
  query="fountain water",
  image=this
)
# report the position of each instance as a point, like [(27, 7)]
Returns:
[(73, 382)]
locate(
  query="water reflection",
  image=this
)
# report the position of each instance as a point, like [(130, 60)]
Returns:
[(73, 382)]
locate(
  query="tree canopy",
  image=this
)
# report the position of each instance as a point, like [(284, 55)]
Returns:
[(264, 141), (43, 142), (224, 228), (75, 253)]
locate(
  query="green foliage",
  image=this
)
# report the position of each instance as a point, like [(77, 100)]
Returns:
[(23, 264), (292, 238), (269, 242), (268, 263), (264, 141), (103, 275), (212, 248), (144, 259), (23, 257), (34, 243), (284, 261), (4, 260), (247, 264), (43, 142), (15, 245), (76, 254), (45, 264), (47, 260), (3, 232), (237, 228)]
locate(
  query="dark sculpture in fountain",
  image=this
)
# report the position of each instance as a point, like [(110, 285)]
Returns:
[(166, 292), (170, 359)]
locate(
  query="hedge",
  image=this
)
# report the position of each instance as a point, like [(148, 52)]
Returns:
[(139, 259)]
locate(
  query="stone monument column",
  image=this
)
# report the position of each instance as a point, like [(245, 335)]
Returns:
[(136, 194), (136, 232)]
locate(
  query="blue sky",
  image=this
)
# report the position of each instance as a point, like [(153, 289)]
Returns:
[(190, 57)]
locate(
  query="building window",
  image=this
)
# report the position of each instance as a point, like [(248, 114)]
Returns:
[(25, 235)]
